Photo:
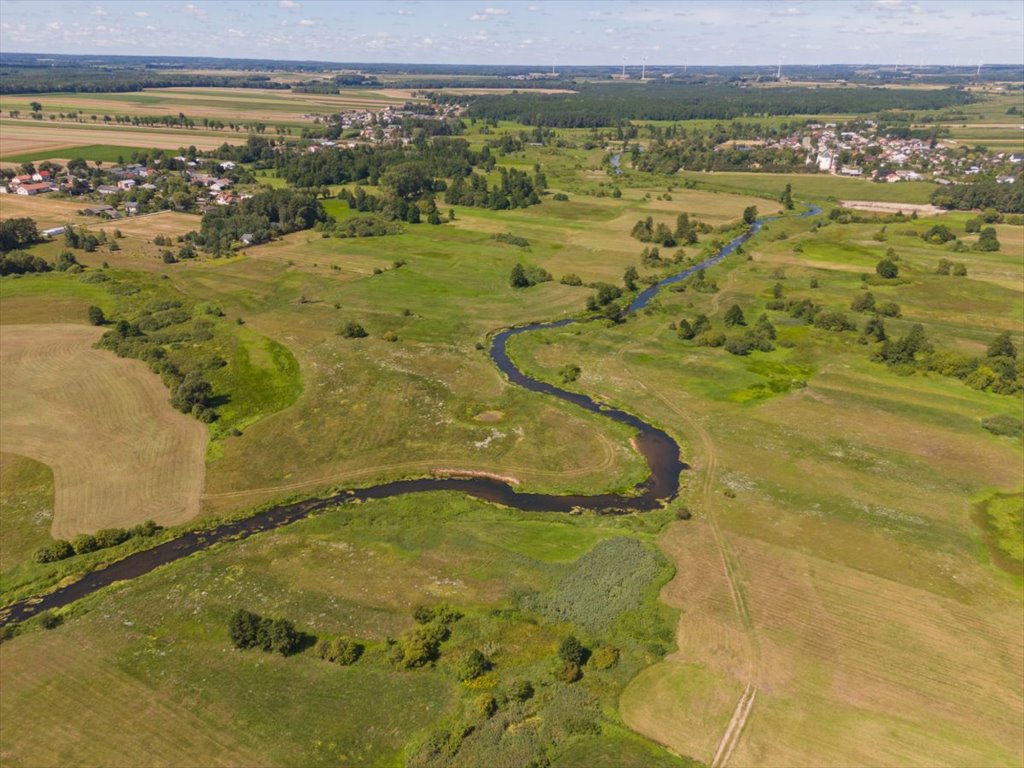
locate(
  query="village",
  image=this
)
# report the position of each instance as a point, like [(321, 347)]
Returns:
[(864, 149)]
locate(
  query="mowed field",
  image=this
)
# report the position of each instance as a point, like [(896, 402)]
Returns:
[(119, 453)]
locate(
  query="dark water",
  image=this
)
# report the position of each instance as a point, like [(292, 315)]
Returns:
[(659, 450)]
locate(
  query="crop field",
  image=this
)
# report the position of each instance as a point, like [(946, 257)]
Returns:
[(120, 454), (24, 140), (847, 584)]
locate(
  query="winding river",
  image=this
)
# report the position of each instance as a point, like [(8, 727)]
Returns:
[(659, 450)]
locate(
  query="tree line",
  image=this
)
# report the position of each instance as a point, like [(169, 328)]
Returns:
[(602, 105)]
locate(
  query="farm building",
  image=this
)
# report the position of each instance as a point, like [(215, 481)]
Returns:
[(34, 189), (54, 232), (99, 210)]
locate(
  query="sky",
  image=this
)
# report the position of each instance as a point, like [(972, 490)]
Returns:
[(529, 32)]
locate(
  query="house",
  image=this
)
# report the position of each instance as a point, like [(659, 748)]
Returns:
[(97, 210), (24, 178), (41, 176), (227, 165), (131, 208), (106, 189), (247, 238), (34, 189), (126, 183)]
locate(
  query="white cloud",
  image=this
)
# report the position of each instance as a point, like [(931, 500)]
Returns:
[(99, 12), (307, 23), (194, 10), (288, 4), (150, 28), (236, 33), (533, 8), (487, 14), (141, 14), (609, 31), (406, 12)]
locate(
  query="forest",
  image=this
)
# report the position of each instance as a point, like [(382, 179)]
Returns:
[(601, 105)]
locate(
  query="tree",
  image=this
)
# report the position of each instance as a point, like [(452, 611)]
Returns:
[(243, 627), (572, 651), (193, 391), (987, 241), (284, 638), (36, 106), (887, 269), (1002, 346), (787, 197), (629, 278), (734, 316), (518, 279), (685, 330), (96, 316), (750, 215)]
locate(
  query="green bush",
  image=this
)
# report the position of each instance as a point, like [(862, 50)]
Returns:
[(472, 666), (1005, 426), (58, 550)]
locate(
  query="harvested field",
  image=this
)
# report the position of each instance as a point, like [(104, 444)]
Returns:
[(18, 137), (47, 211), (876, 207), (120, 454)]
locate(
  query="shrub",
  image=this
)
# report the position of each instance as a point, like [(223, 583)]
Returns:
[(58, 550), (889, 309), (391, 336), (521, 690), (486, 705), (938, 235), (833, 321), (572, 650), (1003, 425), (569, 373), (560, 196), (50, 620), (96, 316), (352, 330), (864, 302), (84, 543), (944, 268), (571, 279), (339, 650), (605, 657), (887, 269), (508, 237), (567, 672), (959, 269), (472, 666), (987, 242)]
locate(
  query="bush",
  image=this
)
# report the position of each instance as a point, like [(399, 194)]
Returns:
[(887, 269), (572, 650), (84, 543), (508, 237), (567, 672), (889, 309), (391, 336), (864, 302), (243, 628), (472, 666), (605, 657), (50, 620), (521, 690), (833, 321), (486, 705), (339, 650), (58, 550), (96, 316), (352, 330), (571, 279), (734, 316), (959, 269), (1003, 425), (569, 373)]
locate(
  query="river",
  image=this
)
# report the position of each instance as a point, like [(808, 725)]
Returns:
[(659, 449)]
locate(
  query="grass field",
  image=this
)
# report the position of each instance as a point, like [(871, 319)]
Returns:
[(834, 566), (26, 508), (182, 696), (120, 455)]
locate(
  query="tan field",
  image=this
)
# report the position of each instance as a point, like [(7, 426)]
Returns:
[(22, 136), (120, 454)]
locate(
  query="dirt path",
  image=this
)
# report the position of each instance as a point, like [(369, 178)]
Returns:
[(708, 452)]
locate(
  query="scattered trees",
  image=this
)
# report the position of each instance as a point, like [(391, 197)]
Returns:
[(887, 269)]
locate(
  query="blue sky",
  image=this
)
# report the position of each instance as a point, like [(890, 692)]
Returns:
[(536, 32)]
